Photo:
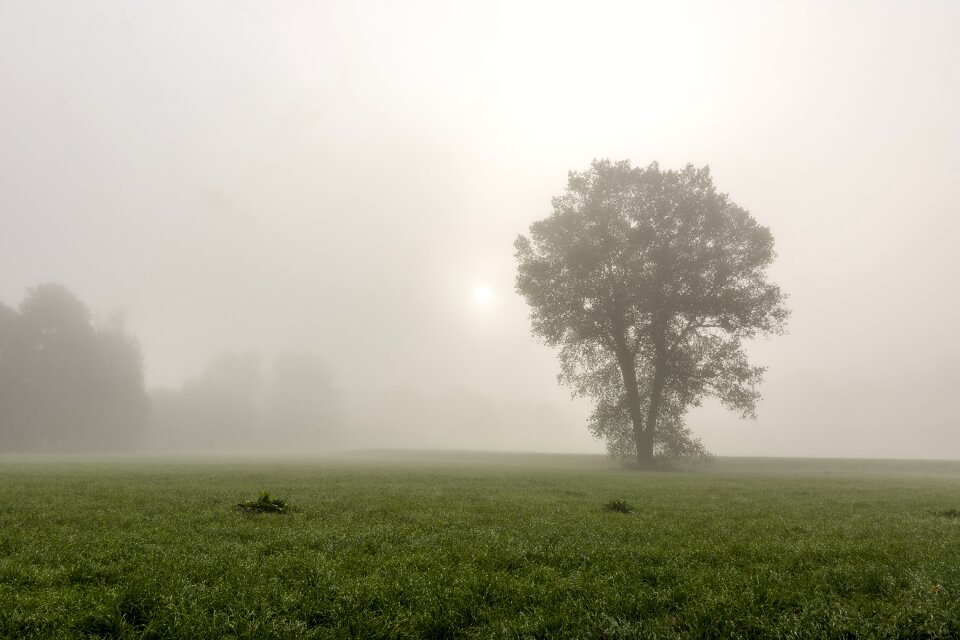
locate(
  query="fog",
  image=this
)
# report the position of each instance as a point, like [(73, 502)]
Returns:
[(339, 185)]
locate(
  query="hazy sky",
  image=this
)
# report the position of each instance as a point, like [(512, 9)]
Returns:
[(340, 177)]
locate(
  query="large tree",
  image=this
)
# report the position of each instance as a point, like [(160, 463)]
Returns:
[(67, 384), (649, 281)]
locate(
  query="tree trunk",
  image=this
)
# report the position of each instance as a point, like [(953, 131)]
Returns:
[(640, 436), (629, 373), (658, 331), (656, 387), (644, 450)]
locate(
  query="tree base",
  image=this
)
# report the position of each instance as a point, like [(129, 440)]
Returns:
[(657, 463)]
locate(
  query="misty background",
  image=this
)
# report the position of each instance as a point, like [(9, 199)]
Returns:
[(317, 190)]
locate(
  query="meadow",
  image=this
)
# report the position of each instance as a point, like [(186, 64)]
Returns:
[(460, 545)]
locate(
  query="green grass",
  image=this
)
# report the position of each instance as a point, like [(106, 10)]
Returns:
[(422, 545)]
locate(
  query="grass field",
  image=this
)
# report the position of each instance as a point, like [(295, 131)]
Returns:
[(445, 545)]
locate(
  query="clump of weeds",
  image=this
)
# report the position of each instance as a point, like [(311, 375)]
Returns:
[(948, 513), (618, 506), (265, 503)]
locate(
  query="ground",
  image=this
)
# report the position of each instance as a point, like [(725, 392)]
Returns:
[(444, 545)]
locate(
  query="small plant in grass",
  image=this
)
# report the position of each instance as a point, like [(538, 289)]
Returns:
[(619, 506), (948, 513), (265, 503)]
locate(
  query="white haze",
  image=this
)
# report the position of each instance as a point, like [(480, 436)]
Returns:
[(338, 179)]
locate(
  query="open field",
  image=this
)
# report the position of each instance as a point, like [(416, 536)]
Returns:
[(443, 545)]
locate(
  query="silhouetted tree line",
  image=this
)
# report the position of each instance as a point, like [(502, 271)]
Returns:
[(70, 384), (67, 384)]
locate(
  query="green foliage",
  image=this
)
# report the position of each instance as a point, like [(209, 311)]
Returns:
[(265, 503), (510, 548), (618, 505)]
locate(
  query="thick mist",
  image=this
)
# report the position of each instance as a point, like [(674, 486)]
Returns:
[(294, 208)]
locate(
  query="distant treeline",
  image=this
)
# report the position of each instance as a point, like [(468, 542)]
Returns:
[(240, 403), (69, 384)]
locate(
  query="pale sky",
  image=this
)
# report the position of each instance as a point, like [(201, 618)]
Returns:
[(340, 178)]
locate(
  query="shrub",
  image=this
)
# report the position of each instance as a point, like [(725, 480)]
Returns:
[(619, 506), (265, 504)]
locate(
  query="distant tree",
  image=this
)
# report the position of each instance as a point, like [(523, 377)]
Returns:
[(649, 281), (238, 404), (8, 327), (65, 384), (302, 402), (219, 409)]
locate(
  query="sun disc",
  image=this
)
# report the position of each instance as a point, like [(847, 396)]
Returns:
[(482, 295)]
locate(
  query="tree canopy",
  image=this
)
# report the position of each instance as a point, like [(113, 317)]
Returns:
[(66, 384), (649, 281)]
